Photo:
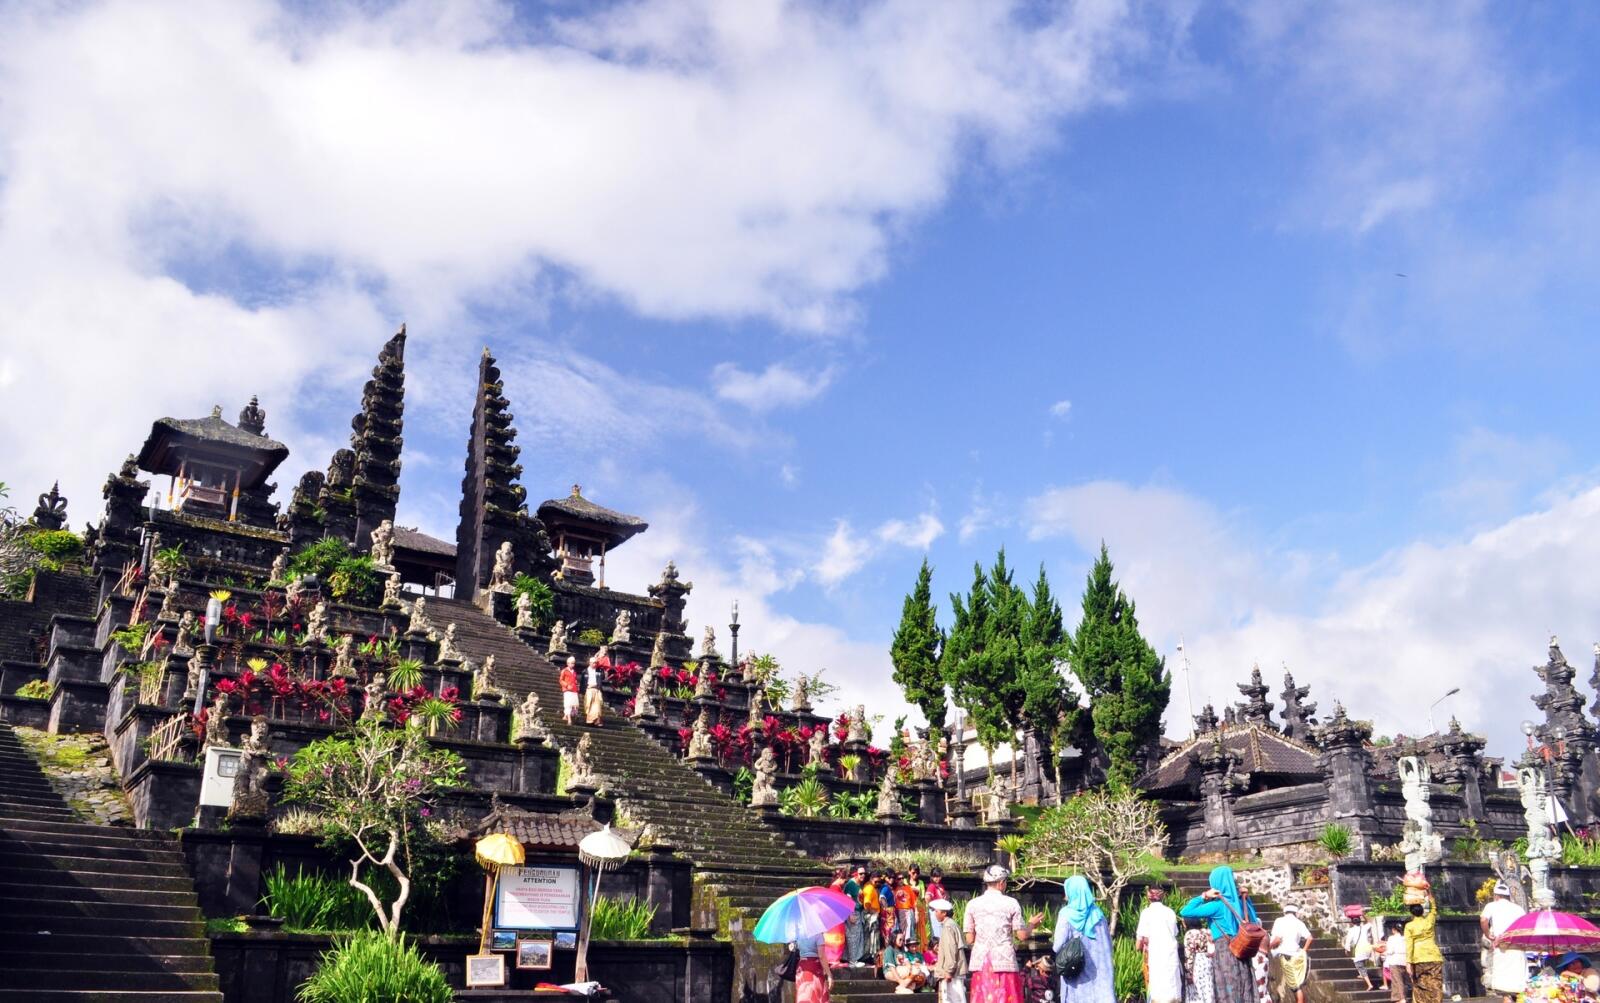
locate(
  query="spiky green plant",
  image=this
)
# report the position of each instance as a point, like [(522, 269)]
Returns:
[(368, 967), (621, 919)]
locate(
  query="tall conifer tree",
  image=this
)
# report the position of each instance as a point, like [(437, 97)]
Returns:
[(915, 650), (1126, 680), (1049, 705)]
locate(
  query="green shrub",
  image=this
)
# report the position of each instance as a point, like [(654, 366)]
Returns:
[(592, 637), (349, 575), (744, 783), (860, 806), (368, 967), (316, 902), (35, 689), (56, 544), (1127, 967), (131, 637), (806, 799), (621, 919), (541, 599), (1335, 838)]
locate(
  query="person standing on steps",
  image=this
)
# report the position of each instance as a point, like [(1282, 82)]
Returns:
[(833, 941), (594, 699), (569, 690), (1221, 906), (1394, 963), (992, 926), (1157, 939), (1289, 941), (1081, 917), (869, 915), (1424, 961), (1358, 942), (951, 966), (1507, 971), (855, 928), (1197, 951), (813, 982)]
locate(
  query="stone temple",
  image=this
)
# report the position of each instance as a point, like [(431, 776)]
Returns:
[(196, 615)]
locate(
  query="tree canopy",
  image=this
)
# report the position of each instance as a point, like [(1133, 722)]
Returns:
[(915, 650)]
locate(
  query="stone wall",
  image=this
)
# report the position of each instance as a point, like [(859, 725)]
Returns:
[(829, 839)]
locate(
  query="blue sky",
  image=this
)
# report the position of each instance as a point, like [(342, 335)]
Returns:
[(1289, 303)]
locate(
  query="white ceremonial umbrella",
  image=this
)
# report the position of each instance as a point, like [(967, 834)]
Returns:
[(597, 850)]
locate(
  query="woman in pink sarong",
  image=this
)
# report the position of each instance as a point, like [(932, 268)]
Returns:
[(992, 926), (833, 941)]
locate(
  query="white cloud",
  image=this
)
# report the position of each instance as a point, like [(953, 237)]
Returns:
[(917, 534), (843, 554), (240, 199), (1387, 638), (1061, 408), (774, 387)]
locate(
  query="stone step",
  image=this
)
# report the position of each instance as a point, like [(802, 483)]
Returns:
[(10, 812), (100, 977), (100, 926), (64, 942), (49, 879), (41, 907), (57, 845), (27, 828), (65, 952), (74, 891), (107, 996)]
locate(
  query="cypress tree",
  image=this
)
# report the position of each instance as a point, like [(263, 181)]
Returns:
[(915, 651), (1049, 706), (1126, 680)]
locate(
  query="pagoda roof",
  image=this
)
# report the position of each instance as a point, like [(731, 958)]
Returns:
[(407, 538), (1258, 750), (547, 829), (210, 439), (577, 512)]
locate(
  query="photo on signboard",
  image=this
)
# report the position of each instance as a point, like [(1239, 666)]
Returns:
[(534, 953), (486, 970), (567, 940), (503, 940)]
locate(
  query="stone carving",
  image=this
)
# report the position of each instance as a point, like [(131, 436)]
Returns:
[(1206, 721), (1299, 714), (925, 762), (391, 592), (1543, 847), (169, 602), (183, 643), (1419, 842), (764, 789), (483, 687), (708, 643), (529, 727), (658, 650), (52, 510), (703, 684), (757, 716), (217, 723), (622, 630), (372, 707), (644, 699), (280, 568), (317, 623), (524, 611), (558, 638), (1256, 710), (419, 622), (344, 656), (500, 577), (448, 652), (250, 783), (802, 692), (383, 545), (582, 770), (819, 750), (700, 740), (888, 797), (297, 590), (858, 725), (999, 808)]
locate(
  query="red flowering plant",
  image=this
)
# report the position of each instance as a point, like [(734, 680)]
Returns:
[(841, 726), (625, 676), (877, 760)]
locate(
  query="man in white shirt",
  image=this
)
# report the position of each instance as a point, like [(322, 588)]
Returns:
[(1157, 938), (1288, 941), (1507, 971)]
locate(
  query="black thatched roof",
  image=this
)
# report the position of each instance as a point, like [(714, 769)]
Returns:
[(212, 439), (549, 829), (579, 513), (1257, 750), (406, 538)]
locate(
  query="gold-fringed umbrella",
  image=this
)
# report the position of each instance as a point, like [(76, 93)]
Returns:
[(495, 851), (597, 850)]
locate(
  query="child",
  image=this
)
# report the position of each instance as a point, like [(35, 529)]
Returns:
[(1394, 962), (569, 689)]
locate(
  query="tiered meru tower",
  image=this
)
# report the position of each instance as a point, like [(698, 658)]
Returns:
[(493, 505)]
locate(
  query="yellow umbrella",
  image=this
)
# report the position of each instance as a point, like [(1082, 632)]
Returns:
[(494, 851)]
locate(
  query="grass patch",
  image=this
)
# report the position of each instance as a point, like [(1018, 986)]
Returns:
[(225, 924)]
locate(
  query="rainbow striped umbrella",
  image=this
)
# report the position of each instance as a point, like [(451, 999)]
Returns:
[(805, 912), (1550, 930)]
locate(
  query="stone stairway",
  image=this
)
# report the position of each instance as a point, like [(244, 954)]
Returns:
[(1332, 973), (740, 864), (90, 913)]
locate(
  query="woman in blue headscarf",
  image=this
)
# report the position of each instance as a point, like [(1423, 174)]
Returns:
[(1081, 917), (1221, 906)]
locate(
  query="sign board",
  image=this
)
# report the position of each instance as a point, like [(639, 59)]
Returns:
[(538, 897), (216, 783)]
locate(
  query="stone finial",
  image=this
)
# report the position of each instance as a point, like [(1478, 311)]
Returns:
[(1299, 714), (1206, 721), (669, 573), (764, 789), (1256, 709), (52, 510), (252, 418)]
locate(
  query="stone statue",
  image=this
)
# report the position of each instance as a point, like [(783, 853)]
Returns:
[(819, 750), (344, 655), (524, 611), (372, 708), (622, 630), (529, 726), (925, 762), (802, 692), (558, 639), (582, 771), (391, 592), (217, 723), (658, 650), (644, 699), (757, 719), (700, 740), (186, 626), (999, 807), (888, 796), (764, 789), (483, 687), (383, 545), (317, 623), (708, 643), (703, 684), (169, 602), (858, 725), (296, 590), (448, 652), (1420, 843), (52, 510), (280, 568), (1543, 847), (419, 622), (500, 577), (250, 783)]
